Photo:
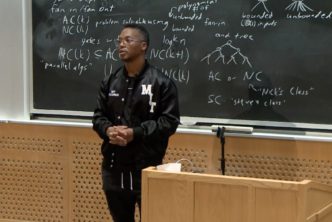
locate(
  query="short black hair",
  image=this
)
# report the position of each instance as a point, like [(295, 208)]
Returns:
[(142, 30)]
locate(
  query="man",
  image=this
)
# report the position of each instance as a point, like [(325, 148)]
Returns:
[(137, 111)]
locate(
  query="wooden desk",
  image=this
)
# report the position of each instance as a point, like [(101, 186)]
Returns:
[(190, 197)]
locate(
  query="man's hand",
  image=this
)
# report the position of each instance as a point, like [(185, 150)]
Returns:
[(120, 135), (127, 134)]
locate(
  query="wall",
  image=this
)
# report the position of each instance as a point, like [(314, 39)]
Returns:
[(291, 159), (16, 64), (13, 59), (52, 173)]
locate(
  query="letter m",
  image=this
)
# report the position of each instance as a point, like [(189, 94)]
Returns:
[(146, 89)]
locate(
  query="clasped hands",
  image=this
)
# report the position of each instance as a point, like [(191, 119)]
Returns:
[(120, 135)]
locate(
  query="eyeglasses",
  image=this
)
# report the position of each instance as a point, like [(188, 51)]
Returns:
[(126, 41)]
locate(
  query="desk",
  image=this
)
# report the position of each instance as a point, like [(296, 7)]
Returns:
[(192, 197)]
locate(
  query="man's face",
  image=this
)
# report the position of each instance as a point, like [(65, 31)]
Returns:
[(131, 44)]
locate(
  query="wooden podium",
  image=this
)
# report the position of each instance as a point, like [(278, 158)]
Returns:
[(192, 197)]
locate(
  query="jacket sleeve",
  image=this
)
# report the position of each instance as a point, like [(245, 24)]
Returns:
[(166, 124), (99, 120)]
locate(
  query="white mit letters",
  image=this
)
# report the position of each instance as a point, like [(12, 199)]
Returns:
[(147, 90)]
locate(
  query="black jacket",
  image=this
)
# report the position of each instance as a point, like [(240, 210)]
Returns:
[(150, 108)]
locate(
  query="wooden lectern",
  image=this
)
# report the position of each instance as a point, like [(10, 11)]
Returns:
[(192, 197)]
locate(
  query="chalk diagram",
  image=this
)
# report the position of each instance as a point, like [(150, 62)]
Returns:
[(298, 5), (262, 4), (234, 55)]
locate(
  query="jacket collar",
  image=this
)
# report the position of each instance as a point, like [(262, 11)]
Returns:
[(140, 74)]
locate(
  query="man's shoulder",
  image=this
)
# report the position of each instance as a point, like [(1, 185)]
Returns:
[(113, 74), (156, 72)]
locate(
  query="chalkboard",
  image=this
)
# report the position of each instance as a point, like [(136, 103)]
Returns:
[(265, 62)]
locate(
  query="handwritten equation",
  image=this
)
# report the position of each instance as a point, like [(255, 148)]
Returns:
[(228, 47)]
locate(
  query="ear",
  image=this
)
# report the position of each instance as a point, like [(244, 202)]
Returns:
[(144, 46)]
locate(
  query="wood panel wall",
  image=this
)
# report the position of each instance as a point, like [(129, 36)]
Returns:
[(52, 173)]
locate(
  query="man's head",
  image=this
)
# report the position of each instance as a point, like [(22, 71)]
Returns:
[(133, 42)]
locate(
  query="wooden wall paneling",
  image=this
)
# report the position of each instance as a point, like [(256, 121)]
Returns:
[(292, 160), (199, 149), (52, 173), (33, 174), (86, 197)]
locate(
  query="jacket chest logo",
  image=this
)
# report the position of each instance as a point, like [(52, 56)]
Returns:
[(113, 93), (147, 90)]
